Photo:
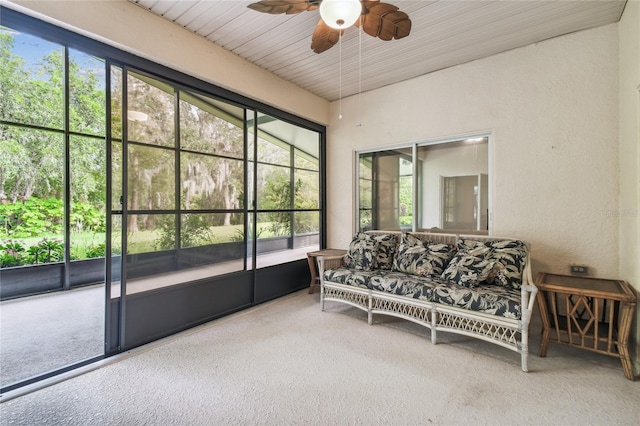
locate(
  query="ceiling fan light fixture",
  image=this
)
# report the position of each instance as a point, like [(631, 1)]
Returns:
[(340, 14)]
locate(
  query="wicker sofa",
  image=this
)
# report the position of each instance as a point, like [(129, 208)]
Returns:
[(474, 285)]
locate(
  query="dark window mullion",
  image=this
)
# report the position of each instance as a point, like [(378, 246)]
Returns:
[(245, 174), (292, 194), (67, 172), (254, 202), (51, 130), (150, 145), (125, 205), (109, 345), (176, 165), (209, 154), (32, 126)]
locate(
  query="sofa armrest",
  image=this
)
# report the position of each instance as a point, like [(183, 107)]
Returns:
[(328, 262), (529, 296), (528, 291)]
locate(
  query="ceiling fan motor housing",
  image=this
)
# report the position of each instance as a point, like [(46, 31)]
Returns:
[(340, 14)]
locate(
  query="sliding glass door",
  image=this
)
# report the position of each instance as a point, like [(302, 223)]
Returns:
[(52, 207), (178, 208), (284, 194), (202, 189)]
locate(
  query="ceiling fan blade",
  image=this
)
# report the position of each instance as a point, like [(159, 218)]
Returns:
[(289, 7), (368, 4), (380, 20), (324, 37), (385, 21)]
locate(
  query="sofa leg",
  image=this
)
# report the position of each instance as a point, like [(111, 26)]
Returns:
[(369, 313), (524, 351), (524, 347), (433, 325)]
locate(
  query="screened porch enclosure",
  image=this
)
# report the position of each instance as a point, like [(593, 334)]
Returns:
[(188, 201)]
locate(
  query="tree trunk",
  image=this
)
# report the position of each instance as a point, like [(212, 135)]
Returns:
[(227, 205)]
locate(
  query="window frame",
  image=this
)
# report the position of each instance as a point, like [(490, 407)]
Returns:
[(416, 171)]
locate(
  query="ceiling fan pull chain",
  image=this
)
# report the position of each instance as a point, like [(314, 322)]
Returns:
[(360, 73), (340, 74)]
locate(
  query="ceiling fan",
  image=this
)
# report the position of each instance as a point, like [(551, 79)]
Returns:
[(381, 20)]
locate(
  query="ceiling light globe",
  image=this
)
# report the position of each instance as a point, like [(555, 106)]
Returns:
[(340, 14)]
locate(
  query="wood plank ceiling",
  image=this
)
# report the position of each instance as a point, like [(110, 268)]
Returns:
[(444, 33)]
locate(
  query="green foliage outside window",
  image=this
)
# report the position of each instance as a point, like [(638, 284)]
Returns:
[(278, 197), (32, 172), (35, 217), (13, 253)]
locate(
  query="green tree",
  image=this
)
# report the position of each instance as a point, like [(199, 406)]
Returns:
[(13, 155), (150, 172), (31, 160), (277, 196), (211, 182)]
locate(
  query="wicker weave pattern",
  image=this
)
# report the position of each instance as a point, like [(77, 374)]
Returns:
[(499, 333), (401, 309), (359, 299)]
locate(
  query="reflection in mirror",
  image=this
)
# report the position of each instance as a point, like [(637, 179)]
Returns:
[(445, 188)]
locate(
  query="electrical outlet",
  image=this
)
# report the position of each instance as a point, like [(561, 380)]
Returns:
[(579, 269)]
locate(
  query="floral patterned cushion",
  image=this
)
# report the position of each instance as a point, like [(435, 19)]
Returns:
[(402, 284), (467, 269), (386, 245), (490, 299), (466, 244), (362, 254), (354, 277), (510, 257), (418, 257)]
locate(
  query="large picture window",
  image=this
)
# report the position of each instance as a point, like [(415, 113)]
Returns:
[(436, 186)]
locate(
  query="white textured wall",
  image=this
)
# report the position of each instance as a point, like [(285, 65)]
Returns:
[(553, 111), (629, 213), (133, 29)]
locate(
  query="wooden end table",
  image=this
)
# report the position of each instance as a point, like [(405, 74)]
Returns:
[(313, 269), (587, 313)]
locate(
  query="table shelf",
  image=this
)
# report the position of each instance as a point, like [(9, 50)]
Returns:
[(600, 343), (587, 313)]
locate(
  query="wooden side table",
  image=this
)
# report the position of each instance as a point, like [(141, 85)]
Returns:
[(313, 268), (588, 313)]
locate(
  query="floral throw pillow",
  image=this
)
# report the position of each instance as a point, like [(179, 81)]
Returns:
[(468, 270), (510, 256), (386, 245), (421, 258), (474, 247), (440, 255), (362, 253)]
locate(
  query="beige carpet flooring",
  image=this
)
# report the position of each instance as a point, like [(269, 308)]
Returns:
[(288, 363)]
